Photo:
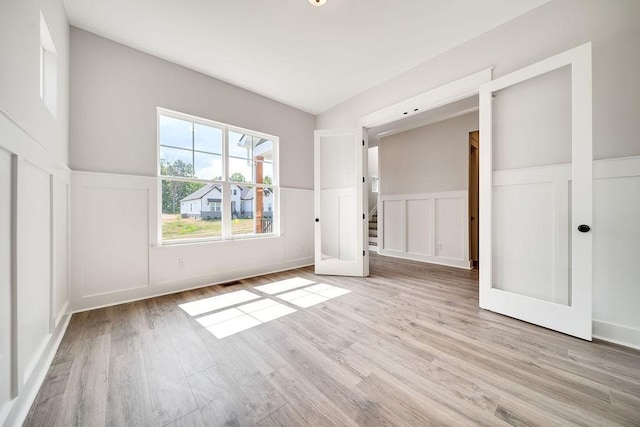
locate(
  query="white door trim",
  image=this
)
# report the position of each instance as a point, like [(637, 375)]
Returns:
[(434, 98)]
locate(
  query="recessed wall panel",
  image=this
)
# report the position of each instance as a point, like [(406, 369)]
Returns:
[(450, 228), (115, 239), (60, 247), (296, 212), (419, 227), (5, 279), (616, 250), (393, 226), (34, 271)]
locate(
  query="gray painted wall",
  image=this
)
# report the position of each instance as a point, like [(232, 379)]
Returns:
[(114, 94), (427, 159)]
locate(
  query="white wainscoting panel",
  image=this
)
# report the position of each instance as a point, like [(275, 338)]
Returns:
[(451, 219), (296, 224), (392, 220), (616, 251), (115, 239), (420, 227), (117, 258), (60, 290), (429, 227), (34, 264), (112, 232), (5, 282)]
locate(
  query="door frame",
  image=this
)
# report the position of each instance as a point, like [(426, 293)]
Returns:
[(575, 319), (456, 90), (474, 191)]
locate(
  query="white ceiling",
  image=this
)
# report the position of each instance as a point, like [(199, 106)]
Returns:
[(311, 58)]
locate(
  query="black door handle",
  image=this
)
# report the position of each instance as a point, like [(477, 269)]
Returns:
[(583, 228), (317, 219)]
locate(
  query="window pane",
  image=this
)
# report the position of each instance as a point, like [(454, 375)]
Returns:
[(263, 149), (189, 210), (208, 166), (176, 132), (264, 204), (176, 162), (264, 173), (207, 138), (240, 145), (240, 170), (242, 213), (251, 210), (242, 210)]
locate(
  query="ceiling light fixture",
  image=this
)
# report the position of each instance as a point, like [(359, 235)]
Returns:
[(317, 3)]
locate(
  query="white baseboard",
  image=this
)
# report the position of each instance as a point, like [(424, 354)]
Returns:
[(20, 406), (167, 288), (449, 262), (616, 334)]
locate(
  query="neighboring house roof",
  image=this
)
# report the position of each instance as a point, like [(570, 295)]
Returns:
[(199, 194), (246, 193)]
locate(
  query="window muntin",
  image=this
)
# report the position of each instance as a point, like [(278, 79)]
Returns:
[(218, 181)]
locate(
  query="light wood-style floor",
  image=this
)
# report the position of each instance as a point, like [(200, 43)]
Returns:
[(407, 346)]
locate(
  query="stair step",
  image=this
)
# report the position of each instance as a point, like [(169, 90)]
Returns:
[(373, 240), (373, 233), (373, 226)]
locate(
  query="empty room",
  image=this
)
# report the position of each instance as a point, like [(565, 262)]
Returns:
[(319, 212)]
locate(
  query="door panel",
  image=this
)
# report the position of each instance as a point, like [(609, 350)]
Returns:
[(535, 190), (339, 203)]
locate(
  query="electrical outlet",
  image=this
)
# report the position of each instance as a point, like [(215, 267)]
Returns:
[(180, 263)]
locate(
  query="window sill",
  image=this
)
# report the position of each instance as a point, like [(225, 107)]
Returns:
[(216, 240)]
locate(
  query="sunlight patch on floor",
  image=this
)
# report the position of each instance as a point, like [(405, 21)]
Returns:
[(313, 295), (227, 314), (233, 320), (284, 285), (218, 302)]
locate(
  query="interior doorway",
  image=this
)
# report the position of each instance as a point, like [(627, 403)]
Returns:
[(474, 199)]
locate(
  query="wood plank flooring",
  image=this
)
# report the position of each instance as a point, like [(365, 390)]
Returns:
[(407, 346)]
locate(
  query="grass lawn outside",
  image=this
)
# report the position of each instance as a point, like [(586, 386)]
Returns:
[(174, 227)]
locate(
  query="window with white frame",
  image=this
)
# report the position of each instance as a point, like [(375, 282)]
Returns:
[(218, 181), (48, 68)]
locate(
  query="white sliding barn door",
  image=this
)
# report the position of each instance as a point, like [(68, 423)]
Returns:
[(536, 194), (339, 203)]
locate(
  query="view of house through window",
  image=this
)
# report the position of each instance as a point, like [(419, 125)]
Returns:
[(218, 181)]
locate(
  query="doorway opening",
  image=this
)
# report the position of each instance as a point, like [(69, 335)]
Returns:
[(474, 199), (422, 208)]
